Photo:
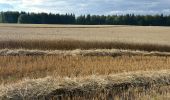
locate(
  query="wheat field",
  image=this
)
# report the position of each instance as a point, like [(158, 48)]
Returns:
[(84, 62), (75, 66), (132, 34)]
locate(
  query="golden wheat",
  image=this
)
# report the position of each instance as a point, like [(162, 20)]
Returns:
[(132, 34), (77, 44), (18, 67), (69, 37)]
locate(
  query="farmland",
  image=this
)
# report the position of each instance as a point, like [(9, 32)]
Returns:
[(132, 34), (84, 62)]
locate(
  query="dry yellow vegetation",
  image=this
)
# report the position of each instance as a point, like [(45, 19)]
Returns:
[(13, 68), (70, 37), (132, 34), (77, 62), (76, 44), (140, 85), (79, 52)]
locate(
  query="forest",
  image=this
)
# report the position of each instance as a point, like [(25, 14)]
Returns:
[(50, 18)]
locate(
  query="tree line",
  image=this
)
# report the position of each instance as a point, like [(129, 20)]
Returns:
[(49, 18), (36, 18)]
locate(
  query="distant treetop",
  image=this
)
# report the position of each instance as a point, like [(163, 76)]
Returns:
[(49, 18)]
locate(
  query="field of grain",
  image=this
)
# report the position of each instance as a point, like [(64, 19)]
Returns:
[(75, 66), (132, 34), (63, 62)]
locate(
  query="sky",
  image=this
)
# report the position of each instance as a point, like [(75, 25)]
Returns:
[(78, 7)]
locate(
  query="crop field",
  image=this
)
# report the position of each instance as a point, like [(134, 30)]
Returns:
[(40, 66), (130, 34), (84, 62)]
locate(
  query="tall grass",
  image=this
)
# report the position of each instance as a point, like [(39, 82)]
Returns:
[(78, 44), (13, 68)]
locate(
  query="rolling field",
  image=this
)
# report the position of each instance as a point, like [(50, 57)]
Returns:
[(63, 62), (132, 34)]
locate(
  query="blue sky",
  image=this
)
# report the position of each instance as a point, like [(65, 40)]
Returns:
[(88, 6)]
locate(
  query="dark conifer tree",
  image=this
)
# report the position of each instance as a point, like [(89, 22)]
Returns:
[(45, 18)]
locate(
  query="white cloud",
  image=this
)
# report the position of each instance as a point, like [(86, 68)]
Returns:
[(137, 12), (9, 1), (31, 2), (91, 6)]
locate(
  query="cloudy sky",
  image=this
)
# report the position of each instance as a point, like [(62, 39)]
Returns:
[(88, 6)]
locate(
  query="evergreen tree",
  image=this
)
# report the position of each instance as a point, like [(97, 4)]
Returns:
[(24, 18), (45, 18), (88, 19)]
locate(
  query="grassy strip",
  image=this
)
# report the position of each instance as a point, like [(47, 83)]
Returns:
[(77, 44)]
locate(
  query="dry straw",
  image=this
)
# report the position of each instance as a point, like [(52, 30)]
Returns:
[(51, 87)]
